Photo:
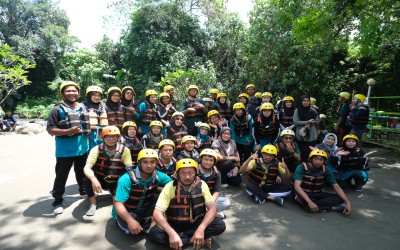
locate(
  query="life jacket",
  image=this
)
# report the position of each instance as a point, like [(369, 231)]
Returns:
[(252, 106), (186, 207), (110, 166), (225, 113), (149, 115), (265, 131), (168, 170), (281, 155), (190, 104), (206, 144), (149, 143), (134, 148), (139, 196), (264, 173), (98, 117), (241, 128), (284, 119), (313, 182), (75, 118), (168, 116), (129, 116), (210, 180), (116, 117), (351, 162), (178, 134), (361, 119)]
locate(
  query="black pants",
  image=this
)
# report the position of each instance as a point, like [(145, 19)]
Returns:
[(63, 166), (224, 168), (244, 151), (324, 201), (305, 150), (104, 185), (186, 231)]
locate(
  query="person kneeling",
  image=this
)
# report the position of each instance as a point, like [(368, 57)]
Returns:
[(264, 176), (105, 164), (189, 209), (136, 193), (309, 179)]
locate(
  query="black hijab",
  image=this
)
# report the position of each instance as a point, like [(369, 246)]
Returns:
[(90, 104), (306, 113), (113, 105)]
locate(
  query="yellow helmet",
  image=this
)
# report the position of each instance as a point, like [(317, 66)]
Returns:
[(288, 98), (269, 149), (212, 112), (345, 95), (93, 89), (267, 94), (266, 106), (204, 125), (350, 136), (214, 91), (313, 100), (322, 116), (186, 163), (114, 88), (360, 97), (151, 92), (147, 153), (238, 105), (210, 152), (163, 94), (166, 142), (156, 123), (250, 86), (177, 113), (318, 152), (193, 87), (168, 88), (129, 124), (130, 88), (287, 132), (188, 138), (244, 95), (258, 94), (222, 95), (68, 83), (110, 130)]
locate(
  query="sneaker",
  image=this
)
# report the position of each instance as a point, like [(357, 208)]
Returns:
[(224, 185), (278, 200), (340, 208), (249, 192), (220, 215), (82, 195), (92, 210), (258, 199), (58, 209)]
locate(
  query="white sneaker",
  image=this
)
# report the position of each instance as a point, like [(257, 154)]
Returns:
[(58, 209), (224, 185), (220, 215), (92, 210)]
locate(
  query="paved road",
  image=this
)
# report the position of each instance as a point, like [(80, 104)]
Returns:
[(26, 219)]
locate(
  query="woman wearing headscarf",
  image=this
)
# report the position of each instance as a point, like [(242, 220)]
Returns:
[(306, 120), (176, 130), (115, 110), (130, 140), (130, 105)]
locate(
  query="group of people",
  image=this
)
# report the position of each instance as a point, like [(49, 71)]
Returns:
[(165, 166)]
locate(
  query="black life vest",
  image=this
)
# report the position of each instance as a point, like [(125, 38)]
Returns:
[(284, 119), (97, 117), (110, 166), (252, 106), (313, 182), (225, 113), (168, 116), (75, 118), (361, 119), (186, 207), (191, 104), (168, 170), (116, 117), (149, 143), (129, 115), (351, 162), (176, 135), (241, 128), (263, 172), (210, 180), (138, 193), (265, 131), (285, 154), (134, 147), (149, 115)]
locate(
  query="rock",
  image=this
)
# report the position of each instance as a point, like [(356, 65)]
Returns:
[(30, 128)]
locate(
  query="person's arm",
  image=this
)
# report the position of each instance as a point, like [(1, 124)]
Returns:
[(256, 134), (296, 119), (313, 207), (343, 196), (245, 166), (285, 173), (88, 169), (133, 226)]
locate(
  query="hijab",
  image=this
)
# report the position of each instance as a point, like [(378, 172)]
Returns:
[(110, 104), (330, 150), (306, 113), (90, 104)]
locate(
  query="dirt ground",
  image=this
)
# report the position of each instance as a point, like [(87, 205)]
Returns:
[(26, 219)]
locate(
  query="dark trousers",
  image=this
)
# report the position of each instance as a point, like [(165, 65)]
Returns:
[(324, 201), (304, 147), (186, 231), (104, 185), (224, 168), (63, 166), (244, 151), (265, 190), (342, 133)]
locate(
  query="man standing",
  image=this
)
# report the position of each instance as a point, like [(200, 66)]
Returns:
[(189, 209), (69, 123), (310, 178), (359, 116), (342, 128)]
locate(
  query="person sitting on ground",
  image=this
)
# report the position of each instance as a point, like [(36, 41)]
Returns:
[(153, 138), (136, 194), (228, 158), (188, 149), (176, 129), (8, 122), (105, 164), (309, 180), (265, 176), (354, 165), (208, 172), (166, 162), (203, 138), (266, 126), (130, 140), (288, 150), (180, 222), (114, 108)]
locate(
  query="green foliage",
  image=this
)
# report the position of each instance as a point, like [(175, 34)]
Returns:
[(35, 108), (13, 70)]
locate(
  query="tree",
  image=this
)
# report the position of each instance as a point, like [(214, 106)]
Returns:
[(13, 70)]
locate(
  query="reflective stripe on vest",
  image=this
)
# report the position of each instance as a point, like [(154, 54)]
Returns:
[(110, 166), (210, 180), (75, 118), (116, 117), (264, 173), (149, 115)]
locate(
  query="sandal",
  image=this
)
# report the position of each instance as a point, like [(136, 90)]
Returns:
[(208, 242)]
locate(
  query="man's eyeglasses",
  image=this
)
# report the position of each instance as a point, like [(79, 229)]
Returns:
[(287, 138)]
